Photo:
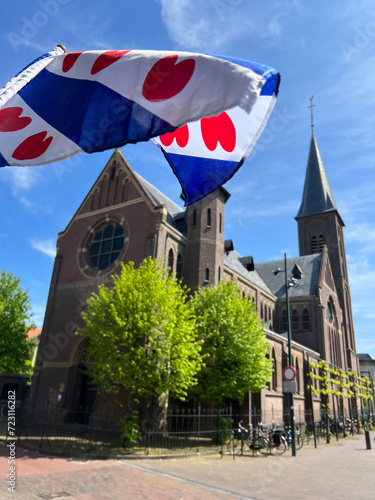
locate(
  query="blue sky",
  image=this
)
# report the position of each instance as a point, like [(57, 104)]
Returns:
[(325, 49)]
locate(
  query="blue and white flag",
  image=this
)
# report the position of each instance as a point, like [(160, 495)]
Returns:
[(84, 102)]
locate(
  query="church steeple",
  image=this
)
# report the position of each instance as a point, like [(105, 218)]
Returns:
[(317, 194), (320, 225)]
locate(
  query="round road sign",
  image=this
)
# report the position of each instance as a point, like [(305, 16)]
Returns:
[(289, 373)]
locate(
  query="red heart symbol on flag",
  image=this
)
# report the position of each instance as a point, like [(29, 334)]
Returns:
[(10, 119), (220, 129), (166, 78), (32, 147), (69, 60), (180, 134), (106, 59)]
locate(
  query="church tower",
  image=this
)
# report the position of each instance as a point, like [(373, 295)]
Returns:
[(205, 240), (320, 225)]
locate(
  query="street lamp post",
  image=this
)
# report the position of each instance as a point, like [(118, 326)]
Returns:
[(289, 283), (293, 422)]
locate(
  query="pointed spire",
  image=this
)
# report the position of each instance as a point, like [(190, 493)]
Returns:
[(317, 194)]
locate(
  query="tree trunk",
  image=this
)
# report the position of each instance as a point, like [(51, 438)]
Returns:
[(161, 411)]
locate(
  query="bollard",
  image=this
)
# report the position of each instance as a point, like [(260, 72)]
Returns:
[(368, 441)]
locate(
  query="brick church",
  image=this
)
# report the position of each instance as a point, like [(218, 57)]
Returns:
[(124, 218)]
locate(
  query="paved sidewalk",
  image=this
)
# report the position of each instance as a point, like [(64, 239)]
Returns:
[(343, 470)]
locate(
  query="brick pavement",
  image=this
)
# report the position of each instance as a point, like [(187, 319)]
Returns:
[(343, 470)]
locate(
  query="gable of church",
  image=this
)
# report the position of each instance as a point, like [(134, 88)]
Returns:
[(115, 187)]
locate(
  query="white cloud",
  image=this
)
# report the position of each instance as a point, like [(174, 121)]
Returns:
[(48, 247), (194, 24), (22, 178), (363, 233)]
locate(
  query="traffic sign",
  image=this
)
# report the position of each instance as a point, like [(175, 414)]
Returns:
[(289, 373)]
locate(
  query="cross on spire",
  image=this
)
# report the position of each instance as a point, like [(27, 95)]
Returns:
[(311, 108)]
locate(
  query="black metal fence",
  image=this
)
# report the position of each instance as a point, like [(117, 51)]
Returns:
[(184, 430)]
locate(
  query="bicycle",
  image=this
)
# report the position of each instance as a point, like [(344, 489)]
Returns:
[(238, 439), (288, 437), (256, 441), (278, 440)]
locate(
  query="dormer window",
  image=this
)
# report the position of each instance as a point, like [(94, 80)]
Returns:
[(297, 272)]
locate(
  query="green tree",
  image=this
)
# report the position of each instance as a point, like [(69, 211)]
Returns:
[(15, 313), (141, 334), (234, 345)]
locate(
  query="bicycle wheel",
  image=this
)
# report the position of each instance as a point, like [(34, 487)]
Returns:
[(234, 446), (261, 445), (279, 447), (299, 441)]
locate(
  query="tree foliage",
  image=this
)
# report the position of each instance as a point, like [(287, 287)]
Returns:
[(15, 313), (234, 344), (141, 334)]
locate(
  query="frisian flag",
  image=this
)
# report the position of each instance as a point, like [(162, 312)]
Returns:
[(85, 102), (206, 153)]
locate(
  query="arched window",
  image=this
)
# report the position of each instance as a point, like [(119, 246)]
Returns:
[(220, 223), (305, 320), (295, 321), (170, 260), (322, 242), (329, 313), (269, 382), (274, 373), (261, 311), (298, 375), (207, 274), (314, 245), (208, 217), (179, 267), (284, 321), (219, 274), (335, 345)]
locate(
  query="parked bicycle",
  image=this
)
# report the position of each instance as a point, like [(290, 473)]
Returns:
[(257, 441), (278, 440), (288, 437)]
